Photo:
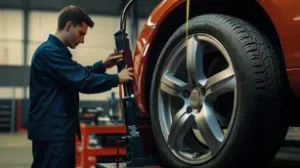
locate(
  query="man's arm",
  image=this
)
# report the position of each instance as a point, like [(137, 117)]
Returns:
[(98, 67), (73, 75), (101, 66)]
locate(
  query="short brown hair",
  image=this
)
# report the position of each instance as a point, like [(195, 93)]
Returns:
[(74, 14)]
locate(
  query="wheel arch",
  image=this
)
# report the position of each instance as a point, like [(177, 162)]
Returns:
[(250, 11)]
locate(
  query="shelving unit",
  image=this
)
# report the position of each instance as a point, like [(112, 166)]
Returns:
[(7, 115)]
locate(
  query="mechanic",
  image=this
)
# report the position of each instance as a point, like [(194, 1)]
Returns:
[(55, 83)]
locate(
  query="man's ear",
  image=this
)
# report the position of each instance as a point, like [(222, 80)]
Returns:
[(68, 25)]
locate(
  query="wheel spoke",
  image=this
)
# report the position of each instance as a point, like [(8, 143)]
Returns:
[(209, 128), (221, 83), (181, 124), (171, 84), (195, 61)]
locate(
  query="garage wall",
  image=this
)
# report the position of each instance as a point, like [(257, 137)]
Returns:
[(11, 37), (11, 47)]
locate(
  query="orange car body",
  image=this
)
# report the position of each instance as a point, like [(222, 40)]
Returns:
[(284, 15)]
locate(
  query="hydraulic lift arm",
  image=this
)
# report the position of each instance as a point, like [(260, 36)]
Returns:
[(136, 155)]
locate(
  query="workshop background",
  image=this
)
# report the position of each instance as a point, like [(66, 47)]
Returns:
[(25, 24)]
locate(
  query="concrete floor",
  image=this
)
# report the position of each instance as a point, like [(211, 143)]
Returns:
[(15, 152)]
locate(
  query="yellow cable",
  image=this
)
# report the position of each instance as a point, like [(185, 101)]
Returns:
[(187, 21)]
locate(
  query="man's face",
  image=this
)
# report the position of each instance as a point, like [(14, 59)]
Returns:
[(76, 34)]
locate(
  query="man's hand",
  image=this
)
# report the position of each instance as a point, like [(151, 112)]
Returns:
[(125, 75), (113, 59)]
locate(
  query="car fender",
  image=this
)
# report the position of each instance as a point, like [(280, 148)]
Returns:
[(143, 43), (284, 15)]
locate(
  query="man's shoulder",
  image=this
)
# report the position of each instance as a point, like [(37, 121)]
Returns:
[(47, 47), (42, 51)]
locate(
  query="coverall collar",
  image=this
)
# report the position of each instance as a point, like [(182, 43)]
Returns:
[(59, 43)]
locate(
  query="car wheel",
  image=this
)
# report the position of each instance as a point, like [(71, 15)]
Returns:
[(215, 98)]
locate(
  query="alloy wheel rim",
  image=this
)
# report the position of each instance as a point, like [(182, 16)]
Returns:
[(187, 112)]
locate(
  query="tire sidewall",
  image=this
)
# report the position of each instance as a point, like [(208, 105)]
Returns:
[(247, 109)]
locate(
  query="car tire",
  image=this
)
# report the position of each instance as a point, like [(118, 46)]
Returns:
[(256, 129)]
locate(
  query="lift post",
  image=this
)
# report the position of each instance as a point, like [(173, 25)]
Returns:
[(135, 152)]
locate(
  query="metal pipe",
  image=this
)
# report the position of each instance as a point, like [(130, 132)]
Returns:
[(125, 13)]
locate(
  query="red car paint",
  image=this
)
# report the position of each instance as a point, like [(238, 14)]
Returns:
[(285, 15)]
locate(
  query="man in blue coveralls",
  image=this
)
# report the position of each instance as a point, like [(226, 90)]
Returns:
[(55, 81)]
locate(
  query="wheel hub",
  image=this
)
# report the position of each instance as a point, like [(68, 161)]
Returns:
[(196, 98)]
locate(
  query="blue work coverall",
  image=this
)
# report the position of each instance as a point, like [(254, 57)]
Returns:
[(55, 81)]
